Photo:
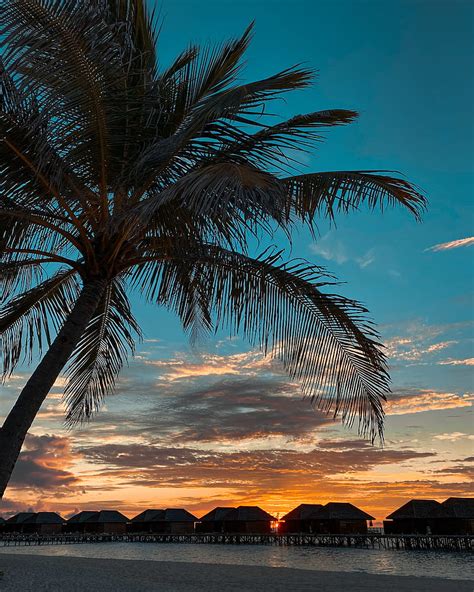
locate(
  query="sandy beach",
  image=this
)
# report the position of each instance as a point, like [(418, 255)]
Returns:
[(28, 573)]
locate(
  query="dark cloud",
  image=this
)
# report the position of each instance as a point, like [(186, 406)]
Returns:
[(42, 464), (464, 470), (226, 410), (192, 467)]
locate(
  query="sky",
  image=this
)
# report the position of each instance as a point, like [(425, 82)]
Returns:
[(219, 424)]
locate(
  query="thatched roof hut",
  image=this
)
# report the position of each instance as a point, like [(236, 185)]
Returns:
[(248, 519), (213, 521), (342, 511), (455, 516), (103, 521), (15, 523), (415, 517), (110, 521), (459, 507), (146, 516), (169, 521), (340, 518), (300, 519), (77, 522), (44, 523)]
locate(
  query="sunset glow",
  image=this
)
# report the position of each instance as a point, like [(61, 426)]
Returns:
[(217, 423)]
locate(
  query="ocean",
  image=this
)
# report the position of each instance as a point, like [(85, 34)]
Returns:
[(374, 561)]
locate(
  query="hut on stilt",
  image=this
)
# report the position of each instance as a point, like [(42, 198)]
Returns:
[(15, 523), (169, 521), (455, 516), (44, 523), (104, 521), (415, 517), (300, 519)]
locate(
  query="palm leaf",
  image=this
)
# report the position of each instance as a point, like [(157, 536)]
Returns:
[(271, 145), (327, 193), (100, 354), (29, 319), (323, 339)]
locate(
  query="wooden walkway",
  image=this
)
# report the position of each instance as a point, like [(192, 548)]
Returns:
[(369, 541)]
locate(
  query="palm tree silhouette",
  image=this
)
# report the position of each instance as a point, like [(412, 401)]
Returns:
[(119, 175)]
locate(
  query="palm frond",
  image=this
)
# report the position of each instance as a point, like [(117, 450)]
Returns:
[(323, 340), (237, 104), (100, 354), (226, 191), (19, 275), (66, 55), (27, 320), (342, 191), (271, 145)]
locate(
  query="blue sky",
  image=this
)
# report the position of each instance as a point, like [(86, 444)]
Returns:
[(406, 67)]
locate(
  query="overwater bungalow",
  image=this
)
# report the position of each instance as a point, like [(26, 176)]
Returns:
[(2, 524), (77, 523), (213, 521), (43, 523), (104, 521), (143, 522), (454, 516), (110, 521), (341, 518), (249, 520), (301, 519), (169, 521), (415, 517), (15, 523)]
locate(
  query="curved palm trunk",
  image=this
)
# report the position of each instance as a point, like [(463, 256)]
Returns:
[(35, 391)]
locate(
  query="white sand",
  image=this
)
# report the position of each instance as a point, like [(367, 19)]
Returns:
[(28, 573)]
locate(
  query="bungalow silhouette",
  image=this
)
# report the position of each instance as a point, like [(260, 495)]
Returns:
[(77, 523), (2, 524), (104, 521), (300, 519), (454, 516), (415, 517), (15, 523), (169, 521), (333, 518), (213, 521), (342, 518), (247, 519), (44, 523)]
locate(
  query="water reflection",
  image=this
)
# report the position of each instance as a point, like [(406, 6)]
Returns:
[(409, 563)]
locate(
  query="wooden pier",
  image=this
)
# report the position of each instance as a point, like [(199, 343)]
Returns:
[(458, 543)]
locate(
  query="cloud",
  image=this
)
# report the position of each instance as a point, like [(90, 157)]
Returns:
[(209, 365), (414, 400), (417, 342), (411, 348), (155, 466), (333, 249), (453, 436), (43, 464), (236, 409), (451, 362), (205, 430), (462, 242)]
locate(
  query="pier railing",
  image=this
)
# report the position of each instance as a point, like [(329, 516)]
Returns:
[(365, 541)]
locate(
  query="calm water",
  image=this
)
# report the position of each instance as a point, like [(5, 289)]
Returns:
[(408, 563)]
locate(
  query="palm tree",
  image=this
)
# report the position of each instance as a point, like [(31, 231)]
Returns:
[(119, 175)]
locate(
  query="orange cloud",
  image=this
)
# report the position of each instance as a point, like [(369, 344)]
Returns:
[(465, 362), (462, 242), (419, 401)]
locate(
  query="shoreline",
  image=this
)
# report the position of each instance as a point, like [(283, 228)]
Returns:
[(45, 573)]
